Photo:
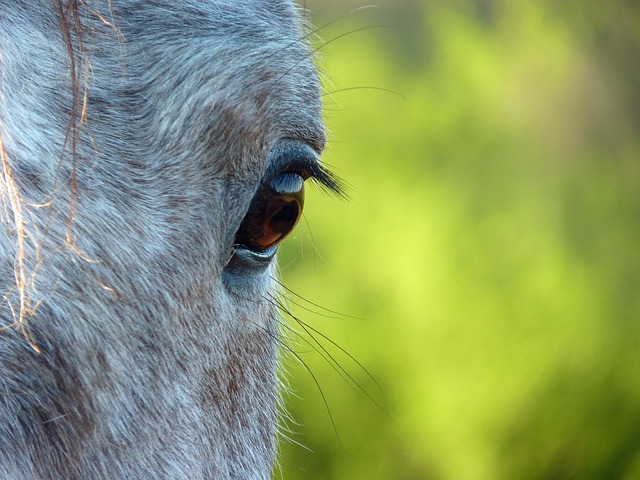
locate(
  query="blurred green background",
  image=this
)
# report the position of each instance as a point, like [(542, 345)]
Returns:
[(490, 249)]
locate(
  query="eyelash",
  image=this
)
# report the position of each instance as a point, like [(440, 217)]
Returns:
[(322, 176)]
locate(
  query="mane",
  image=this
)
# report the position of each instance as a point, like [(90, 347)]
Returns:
[(13, 201)]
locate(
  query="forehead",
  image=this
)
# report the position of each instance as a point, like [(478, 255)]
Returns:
[(219, 70)]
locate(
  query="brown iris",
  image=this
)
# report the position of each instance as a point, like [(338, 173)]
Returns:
[(274, 212)]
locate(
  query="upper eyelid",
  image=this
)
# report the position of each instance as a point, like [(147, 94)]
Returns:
[(291, 155)]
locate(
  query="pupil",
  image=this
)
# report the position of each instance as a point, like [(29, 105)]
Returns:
[(274, 212), (286, 218)]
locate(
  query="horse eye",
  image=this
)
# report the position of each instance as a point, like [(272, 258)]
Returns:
[(274, 212)]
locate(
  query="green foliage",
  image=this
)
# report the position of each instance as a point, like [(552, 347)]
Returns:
[(490, 250)]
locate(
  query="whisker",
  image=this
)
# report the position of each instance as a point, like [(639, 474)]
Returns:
[(315, 50), (340, 315), (380, 89), (324, 353), (315, 381), (350, 32)]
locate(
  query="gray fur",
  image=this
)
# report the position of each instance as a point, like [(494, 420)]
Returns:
[(131, 357)]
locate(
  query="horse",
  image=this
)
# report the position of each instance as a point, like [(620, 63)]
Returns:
[(154, 156)]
